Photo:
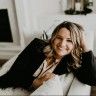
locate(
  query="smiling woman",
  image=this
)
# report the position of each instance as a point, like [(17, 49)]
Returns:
[(40, 61)]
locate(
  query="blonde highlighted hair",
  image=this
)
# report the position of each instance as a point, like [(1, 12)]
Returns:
[(76, 32)]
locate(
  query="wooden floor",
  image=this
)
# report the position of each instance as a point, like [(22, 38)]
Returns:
[(93, 89)]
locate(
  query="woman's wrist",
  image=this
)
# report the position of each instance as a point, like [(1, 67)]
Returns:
[(86, 49), (36, 83)]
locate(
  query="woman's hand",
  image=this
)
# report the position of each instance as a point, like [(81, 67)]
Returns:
[(84, 43), (39, 81)]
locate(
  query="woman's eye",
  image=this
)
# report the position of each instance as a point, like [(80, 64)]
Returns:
[(59, 38), (69, 40)]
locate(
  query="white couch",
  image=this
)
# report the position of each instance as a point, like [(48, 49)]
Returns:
[(75, 88), (61, 86)]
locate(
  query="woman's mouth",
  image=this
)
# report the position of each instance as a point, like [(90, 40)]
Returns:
[(60, 48)]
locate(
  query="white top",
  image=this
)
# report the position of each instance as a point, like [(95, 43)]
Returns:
[(44, 68)]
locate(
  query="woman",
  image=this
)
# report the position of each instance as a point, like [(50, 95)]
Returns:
[(65, 52)]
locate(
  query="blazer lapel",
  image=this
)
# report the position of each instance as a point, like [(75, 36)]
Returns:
[(61, 67)]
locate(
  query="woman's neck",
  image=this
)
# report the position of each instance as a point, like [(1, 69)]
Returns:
[(57, 57), (51, 61)]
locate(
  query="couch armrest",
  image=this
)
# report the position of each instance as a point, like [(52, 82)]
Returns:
[(6, 66), (77, 89)]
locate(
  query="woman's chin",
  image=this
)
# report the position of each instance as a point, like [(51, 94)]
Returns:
[(60, 55)]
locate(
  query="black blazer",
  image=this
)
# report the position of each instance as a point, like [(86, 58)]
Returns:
[(21, 72)]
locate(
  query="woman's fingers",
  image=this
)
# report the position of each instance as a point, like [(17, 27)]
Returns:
[(39, 81), (47, 76)]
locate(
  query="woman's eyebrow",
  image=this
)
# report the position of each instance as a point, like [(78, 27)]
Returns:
[(59, 35), (63, 37)]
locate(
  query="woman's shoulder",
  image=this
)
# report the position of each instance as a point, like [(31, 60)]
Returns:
[(87, 69), (38, 43), (38, 40), (88, 55)]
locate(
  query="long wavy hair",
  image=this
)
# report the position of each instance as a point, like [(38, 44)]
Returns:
[(76, 31)]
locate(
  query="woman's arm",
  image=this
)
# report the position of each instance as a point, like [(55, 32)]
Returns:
[(20, 74), (87, 72)]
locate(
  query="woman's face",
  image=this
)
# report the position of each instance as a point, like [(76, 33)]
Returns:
[(62, 44)]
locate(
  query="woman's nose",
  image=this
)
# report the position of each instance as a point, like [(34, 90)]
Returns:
[(63, 43)]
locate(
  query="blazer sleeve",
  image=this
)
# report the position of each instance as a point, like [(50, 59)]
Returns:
[(87, 72), (20, 74)]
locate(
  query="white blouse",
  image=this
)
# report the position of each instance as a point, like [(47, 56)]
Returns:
[(44, 68)]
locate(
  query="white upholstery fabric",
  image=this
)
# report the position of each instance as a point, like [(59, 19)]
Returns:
[(14, 92), (51, 87), (7, 65), (63, 85), (66, 81), (79, 89), (59, 86)]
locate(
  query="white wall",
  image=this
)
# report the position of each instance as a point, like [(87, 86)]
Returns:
[(29, 10), (32, 9), (9, 49)]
